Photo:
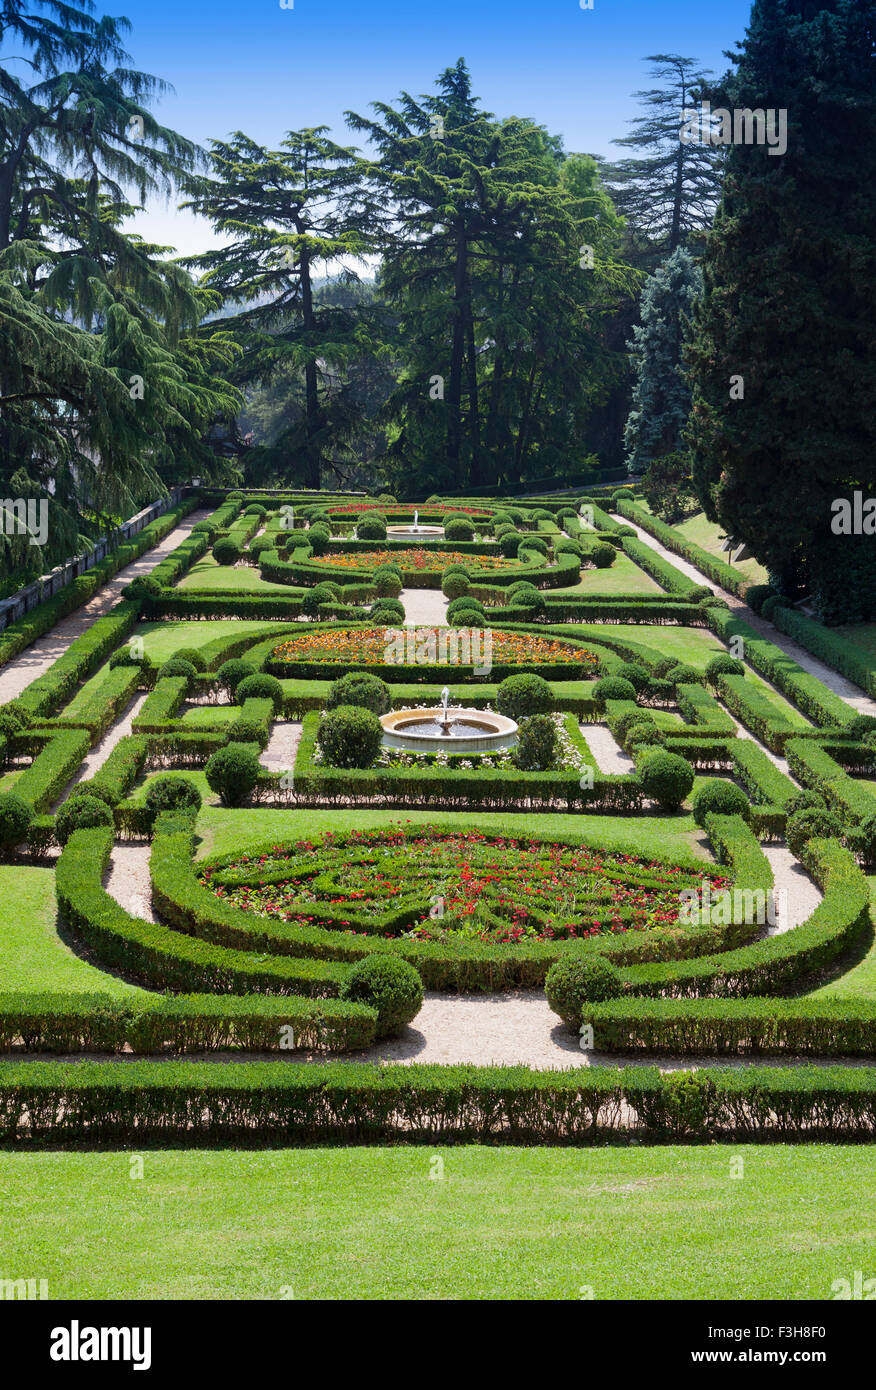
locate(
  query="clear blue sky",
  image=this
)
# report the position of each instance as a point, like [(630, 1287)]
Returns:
[(254, 66)]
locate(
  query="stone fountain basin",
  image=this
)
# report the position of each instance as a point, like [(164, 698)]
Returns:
[(410, 532), (472, 731)]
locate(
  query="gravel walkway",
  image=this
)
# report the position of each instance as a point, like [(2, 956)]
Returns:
[(846, 689), (279, 754), (38, 657), (127, 880), (94, 761), (424, 607), (610, 757)]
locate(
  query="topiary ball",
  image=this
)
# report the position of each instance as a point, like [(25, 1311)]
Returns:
[(536, 743), (455, 585), (722, 798), (192, 656), (531, 543), (459, 607), (634, 672), (371, 528), (319, 539), (315, 599), (15, 818), (14, 720), (603, 555), (389, 608), (387, 584), (570, 985), (232, 772), (508, 543), (813, 824), (683, 675), (613, 688), (81, 813), (459, 529), (260, 687), (226, 552), (666, 778), (172, 794), (176, 666), (388, 984), (350, 736), (232, 672), (861, 725), (526, 694), (723, 665), (360, 688)]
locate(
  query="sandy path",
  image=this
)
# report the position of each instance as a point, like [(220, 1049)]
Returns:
[(426, 607), (840, 685), (127, 880), (610, 757), (279, 754), (38, 657)]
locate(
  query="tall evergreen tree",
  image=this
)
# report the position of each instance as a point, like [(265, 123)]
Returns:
[(286, 214), (788, 309), (661, 394), (668, 189)]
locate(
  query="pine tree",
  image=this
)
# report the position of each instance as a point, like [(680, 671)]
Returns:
[(790, 283), (661, 394)]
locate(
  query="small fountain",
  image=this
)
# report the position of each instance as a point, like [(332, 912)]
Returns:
[(415, 532), (457, 731)]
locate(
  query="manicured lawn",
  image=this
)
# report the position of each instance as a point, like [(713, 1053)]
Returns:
[(706, 534), (623, 577), (161, 640), (692, 645), (32, 955), (223, 830), (860, 980), (205, 575), (370, 1223)]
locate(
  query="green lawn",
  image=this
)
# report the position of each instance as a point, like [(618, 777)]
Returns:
[(623, 577), (205, 575), (32, 955), (370, 1223), (706, 534), (676, 836), (692, 645), (860, 981), (161, 640)]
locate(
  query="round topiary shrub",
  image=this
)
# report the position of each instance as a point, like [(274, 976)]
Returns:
[(769, 605), (533, 603), (570, 985), (388, 984), (531, 543), (319, 539), (177, 666), (459, 529), (144, 586), (519, 696), (124, 656), (814, 824), (722, 798), (389, 609), (683, 675), (723, 665), (663, 667), (634, 672), (455, 585), (386, 499), (862, 838), (232, 672), (536, 743), (260, 687), (523, 586), (232, 772), (256, 509), (360, 688), (387, 584), (81, 813), (613, 688), (805, 800), (371, 528), (316, 599), (603, 555), (192, 656), (15, 818), (206, 528), (666, 778), (460, 606), (350, 736), (14, 720), (756, 593), (172, 794), (861, 725), (226, 552), (391, 567), (641, 732), (508, 543)]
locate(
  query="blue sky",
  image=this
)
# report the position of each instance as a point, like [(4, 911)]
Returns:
[(255, 66)]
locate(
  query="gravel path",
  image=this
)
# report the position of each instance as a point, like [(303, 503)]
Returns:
[(127, 880), (846, 689), (424, 607), (797, 895), (610, 757), (279, 754), (38, 657), (93, 761)]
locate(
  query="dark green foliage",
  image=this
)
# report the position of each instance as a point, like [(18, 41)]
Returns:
[(811, 824), (613, 688), (232, 773), (232, 672), (226, 552), (459, 529), (387, 584), (260, 687), (178, 666), (536, 747), (667, 779), (193, 656), (172, 794), (389, 985), (603, 555), (722, 665), (570, 985), (525, 694), (371, 528), (805, 800), (454, 585), (530, 543), (81, 813), (634, 672), (360, 688), (683, 675), (350, 736), (319, 539), (719, 798), (388, 610), (15, 818)]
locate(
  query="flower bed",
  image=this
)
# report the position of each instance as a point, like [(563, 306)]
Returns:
[(412, 558), (435, 886), (412, 652)]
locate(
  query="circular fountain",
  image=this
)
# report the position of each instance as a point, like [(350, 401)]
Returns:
[(414, 532), (447, 730)]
